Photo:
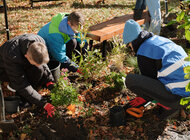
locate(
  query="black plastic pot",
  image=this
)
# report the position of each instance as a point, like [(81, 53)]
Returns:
[(12, 104), (117, 116), (54, 67)]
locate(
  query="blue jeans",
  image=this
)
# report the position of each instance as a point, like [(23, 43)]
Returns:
[(140, 5), (155, 14)]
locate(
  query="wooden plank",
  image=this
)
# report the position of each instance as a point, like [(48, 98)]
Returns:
[(110, 28)]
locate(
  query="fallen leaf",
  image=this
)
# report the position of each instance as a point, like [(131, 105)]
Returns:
[(183, 114), (22, 136), (71, 108), (116, 99)]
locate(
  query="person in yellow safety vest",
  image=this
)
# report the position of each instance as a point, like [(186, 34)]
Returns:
[(60, 37)]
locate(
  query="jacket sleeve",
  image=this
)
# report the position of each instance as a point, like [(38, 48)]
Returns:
[(57, 49), (149, 67), (19, 81)]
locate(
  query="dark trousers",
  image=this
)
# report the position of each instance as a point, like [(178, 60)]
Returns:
[(151, 89), (74, 45), (140, 5)]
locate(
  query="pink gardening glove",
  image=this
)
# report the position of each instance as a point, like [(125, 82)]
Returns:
[(50, 109)]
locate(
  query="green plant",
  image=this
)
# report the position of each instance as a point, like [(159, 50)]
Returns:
[(115, 80), (64, 93), (183, 19), (91, 64), (26, 129), (131, 61)]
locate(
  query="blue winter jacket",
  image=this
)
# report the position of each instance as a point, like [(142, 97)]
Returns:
[(56, 34)]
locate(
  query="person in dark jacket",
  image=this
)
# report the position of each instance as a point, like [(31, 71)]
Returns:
[(60, 37), (161, 64), (23, 64)]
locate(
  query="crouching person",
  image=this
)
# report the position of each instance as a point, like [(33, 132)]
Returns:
[(161, 64), (23, 64), (62, 39)]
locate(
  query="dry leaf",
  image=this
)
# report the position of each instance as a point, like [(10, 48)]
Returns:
[(71, 108), (22, 136), (116, 99), (183, 114)]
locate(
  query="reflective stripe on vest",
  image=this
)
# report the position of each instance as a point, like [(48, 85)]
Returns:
[(177, 84), (172, 68)]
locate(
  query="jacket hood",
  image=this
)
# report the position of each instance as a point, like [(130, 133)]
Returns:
[(144, 35), (65, 28)]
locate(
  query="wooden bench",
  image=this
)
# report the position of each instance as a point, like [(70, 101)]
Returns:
[(108, 29)]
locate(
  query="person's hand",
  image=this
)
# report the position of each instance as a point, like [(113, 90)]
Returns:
[(50, 85), (50, 109)]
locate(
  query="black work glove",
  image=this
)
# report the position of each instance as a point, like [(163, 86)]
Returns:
[(70, 65)]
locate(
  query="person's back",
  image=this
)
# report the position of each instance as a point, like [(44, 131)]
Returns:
[(44, 31), (13, 51)]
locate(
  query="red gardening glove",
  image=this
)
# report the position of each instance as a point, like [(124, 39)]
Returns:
[(137, 101), (50, 109), (79, 71), (50, 85)]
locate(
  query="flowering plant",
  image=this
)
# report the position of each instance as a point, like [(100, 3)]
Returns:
[(64, 93)]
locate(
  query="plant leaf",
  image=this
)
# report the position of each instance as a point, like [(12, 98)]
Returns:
[(187, 69), (187, 88), (187, 34), (180, 16)]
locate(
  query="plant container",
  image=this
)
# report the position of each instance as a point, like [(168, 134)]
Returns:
[(12, 104), (54, 67), (117, 116)]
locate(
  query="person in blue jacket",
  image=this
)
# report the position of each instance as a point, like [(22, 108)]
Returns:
[(161, 64), (60, 37)]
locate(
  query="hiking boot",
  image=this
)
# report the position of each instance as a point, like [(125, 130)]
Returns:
[(137, 14)]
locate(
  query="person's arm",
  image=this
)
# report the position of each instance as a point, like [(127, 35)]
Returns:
[(149, 67), (57, 49)]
